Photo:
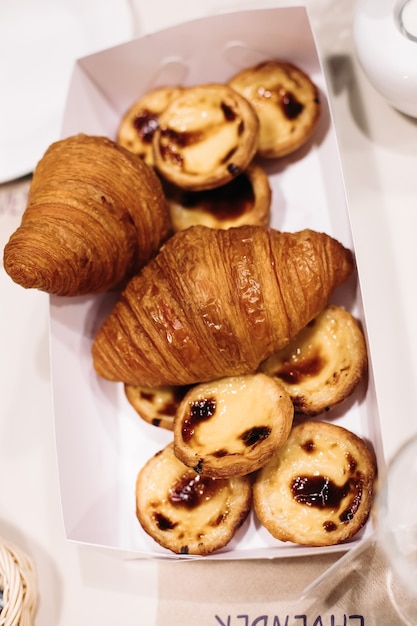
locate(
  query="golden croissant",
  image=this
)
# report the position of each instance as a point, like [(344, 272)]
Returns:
[(216, 303), (95, 214)]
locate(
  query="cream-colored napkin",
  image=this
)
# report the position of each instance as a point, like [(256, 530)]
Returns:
[(267, 593)]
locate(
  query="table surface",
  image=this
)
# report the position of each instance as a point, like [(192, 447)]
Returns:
[(379, 159)]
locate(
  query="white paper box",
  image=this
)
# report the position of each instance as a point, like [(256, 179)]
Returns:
[(101, 442)]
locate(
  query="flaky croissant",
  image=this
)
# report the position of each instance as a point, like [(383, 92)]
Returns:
[(216, 303), (95, 214)]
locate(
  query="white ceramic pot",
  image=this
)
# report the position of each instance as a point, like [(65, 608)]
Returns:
[(385, 39)]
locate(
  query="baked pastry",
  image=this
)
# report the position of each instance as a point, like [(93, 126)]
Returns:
[(206, 137), (189, 513), (319, 488), (245, 200), (232, 426), (95, 215), (156, 405), (216, 303), (323, 364), (137, 126), (286, 101)]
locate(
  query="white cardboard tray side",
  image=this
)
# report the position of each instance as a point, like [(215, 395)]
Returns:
[(101, 443)]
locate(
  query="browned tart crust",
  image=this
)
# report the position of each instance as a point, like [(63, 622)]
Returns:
[(286, 101), (139, 123), (318, 490), (245, 200), (323, 364), (206, 137), (232, 426), (189, 513), (156, 405)]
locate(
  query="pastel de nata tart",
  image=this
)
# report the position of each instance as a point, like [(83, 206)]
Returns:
[(137, 126), (244, 200), (232, 426), (206, 137), (189, 513), (323, 364), (286, 101), (319, 488), (156, 405)]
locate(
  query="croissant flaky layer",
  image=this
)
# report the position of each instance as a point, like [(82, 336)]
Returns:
[(95, 214), (216, 303)]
